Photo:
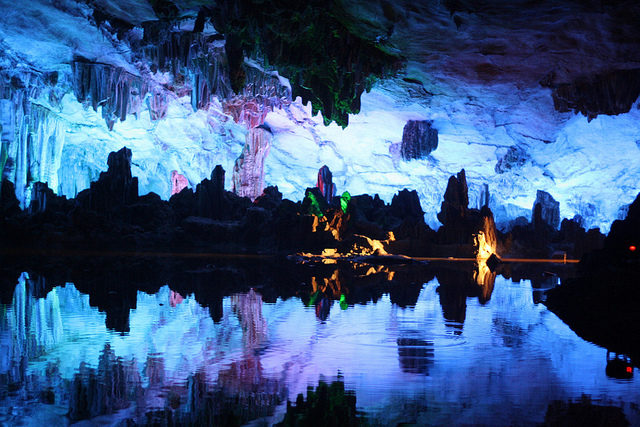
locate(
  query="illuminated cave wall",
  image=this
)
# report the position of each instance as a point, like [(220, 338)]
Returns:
[(168, 98)]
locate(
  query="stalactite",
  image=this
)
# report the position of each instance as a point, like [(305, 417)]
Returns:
[(117, 91), (186, 54), (32, 138), (157, 103), (248, 172), (262, 93)]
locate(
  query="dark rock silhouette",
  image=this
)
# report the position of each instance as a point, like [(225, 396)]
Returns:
[(460, 224), (111, 216), (115, 188), (606, 289), (210, 196), (9, 205), (454, 209), (406, 205), (545, 210), (625, 233), (611, 93)]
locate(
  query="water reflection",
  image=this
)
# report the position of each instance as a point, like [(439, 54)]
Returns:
[(415, 355), (619, 366), (222, 344)]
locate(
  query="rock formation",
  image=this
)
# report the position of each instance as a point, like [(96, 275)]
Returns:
[(419, 139), (545, 210), (248, 172), (454, 209), (178, 182), (406, 205), (210, 196), (117, 91), (610, 93), (9, 205), (325, 184), (474, 228), (624, 237), (115, 187)]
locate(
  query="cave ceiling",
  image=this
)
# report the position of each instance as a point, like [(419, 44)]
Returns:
[(511, 87)]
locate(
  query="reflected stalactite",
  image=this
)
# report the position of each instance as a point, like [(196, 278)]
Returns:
[(248, 308), (155, 392), (235, 400), (332, 286), (175, 299), (453, 291), (33, 325), (109, 388)]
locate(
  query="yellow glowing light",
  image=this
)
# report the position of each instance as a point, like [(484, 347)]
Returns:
[(329, 252), (484, 248)]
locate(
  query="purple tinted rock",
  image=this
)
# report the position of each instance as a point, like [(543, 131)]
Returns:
[(248, 171), (325, 183), (418, 139)]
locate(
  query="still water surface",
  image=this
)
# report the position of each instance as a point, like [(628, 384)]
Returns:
[(500, 362)]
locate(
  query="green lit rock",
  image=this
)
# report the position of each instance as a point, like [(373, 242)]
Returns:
[(344, 201), (316, 44)]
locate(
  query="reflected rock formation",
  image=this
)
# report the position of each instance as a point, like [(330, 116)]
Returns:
[(584, 412), (619, 366), (248, 308), (456, 285), (415, 355), (105, 390), (324, 405)]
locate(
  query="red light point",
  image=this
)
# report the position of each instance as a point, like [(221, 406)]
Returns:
[(629, 369), (632, 248)]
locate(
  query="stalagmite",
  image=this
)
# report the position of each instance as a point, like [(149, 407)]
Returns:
[(248, 172), (178, 182), (325, 183), (549, 210)]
